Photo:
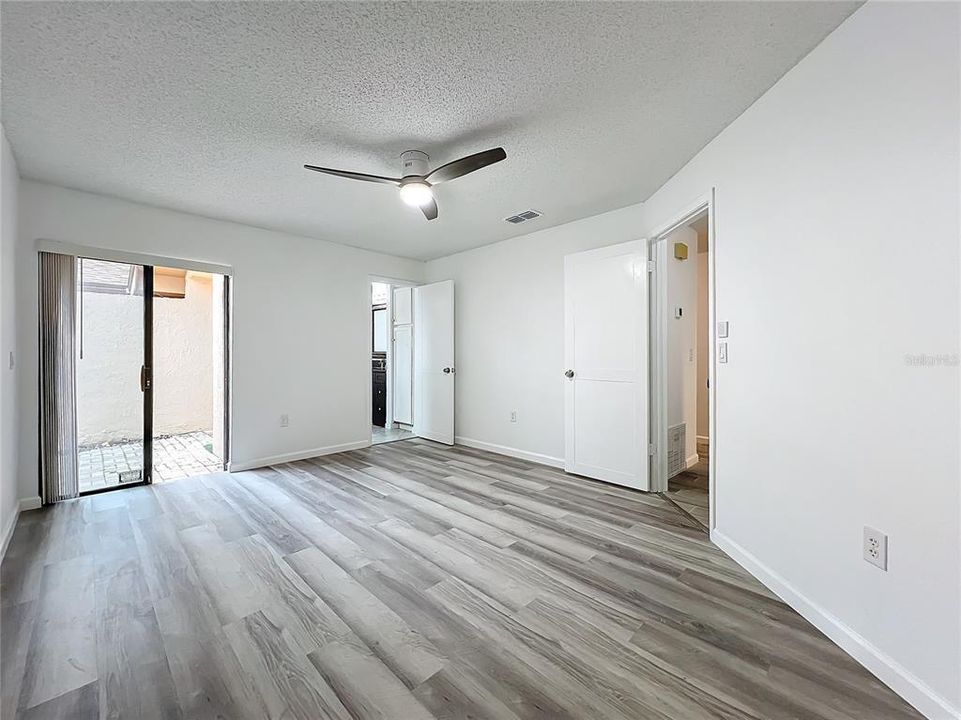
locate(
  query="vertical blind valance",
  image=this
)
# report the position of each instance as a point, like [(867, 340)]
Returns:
[(58, 371)]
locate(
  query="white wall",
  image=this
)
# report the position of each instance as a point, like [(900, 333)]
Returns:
[(509, 315), (682, 338), (9, 405), (837, 256), (301, 317)]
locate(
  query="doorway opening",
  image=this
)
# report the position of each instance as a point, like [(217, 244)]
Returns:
[(391, 322), (167, 327), (189, 378), (682, 344)]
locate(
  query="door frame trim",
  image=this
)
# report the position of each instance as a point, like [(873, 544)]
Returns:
[(130, 258), (228, 368), (658, 344), (148, 278)]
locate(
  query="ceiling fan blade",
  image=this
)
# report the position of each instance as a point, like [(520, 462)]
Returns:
[(466, 165), (354, 176), (430, 210)]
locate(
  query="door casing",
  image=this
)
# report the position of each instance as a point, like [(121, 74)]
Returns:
[(147, 373), (658, 345)]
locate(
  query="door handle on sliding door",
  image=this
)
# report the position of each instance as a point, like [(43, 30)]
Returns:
[(144, 378)]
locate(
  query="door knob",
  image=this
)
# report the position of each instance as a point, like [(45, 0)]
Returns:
[(569, 374), (448, 371)]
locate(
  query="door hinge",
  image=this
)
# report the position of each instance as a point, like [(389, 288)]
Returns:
[(651, 449), (650, 265)]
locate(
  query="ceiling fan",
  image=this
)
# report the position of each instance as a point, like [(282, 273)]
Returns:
[(415, 186)]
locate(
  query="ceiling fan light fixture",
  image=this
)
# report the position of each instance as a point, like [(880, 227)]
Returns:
[(416, 194), (416, 183)]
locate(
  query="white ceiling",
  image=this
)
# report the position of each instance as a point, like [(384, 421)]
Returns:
[(212, 108)]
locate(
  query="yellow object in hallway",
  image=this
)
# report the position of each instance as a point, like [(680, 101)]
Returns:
[(680, 251)]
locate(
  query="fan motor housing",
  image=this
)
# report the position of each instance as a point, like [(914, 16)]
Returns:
[(415, 163)]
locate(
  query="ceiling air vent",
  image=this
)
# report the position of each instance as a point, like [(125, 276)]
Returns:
[(523, 217)]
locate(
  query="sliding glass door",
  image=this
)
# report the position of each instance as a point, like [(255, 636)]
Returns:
[(134, 374), (189, 389), (114, 383)]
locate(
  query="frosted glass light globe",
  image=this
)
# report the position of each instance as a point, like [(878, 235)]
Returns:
[(416, 194)]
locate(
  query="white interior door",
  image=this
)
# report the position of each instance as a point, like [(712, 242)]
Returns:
[(434, 361), (606, 358)]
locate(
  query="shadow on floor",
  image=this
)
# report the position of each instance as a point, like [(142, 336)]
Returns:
[(379, 435), (689, 491)]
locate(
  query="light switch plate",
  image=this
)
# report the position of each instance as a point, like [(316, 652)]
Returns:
[(722, 352), (722, 329)]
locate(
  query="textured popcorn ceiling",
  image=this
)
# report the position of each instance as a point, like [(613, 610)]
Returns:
[(213, 108)]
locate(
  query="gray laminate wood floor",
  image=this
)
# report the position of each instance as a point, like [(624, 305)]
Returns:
[(405, 582)]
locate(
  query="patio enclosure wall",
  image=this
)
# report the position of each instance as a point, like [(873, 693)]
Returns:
[(109, 401)]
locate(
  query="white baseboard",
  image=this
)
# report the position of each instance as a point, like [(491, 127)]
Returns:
[(510, 452), (22, 505), (299, 455), (703, 439), (693, 460), (910, 687), (8, 532)]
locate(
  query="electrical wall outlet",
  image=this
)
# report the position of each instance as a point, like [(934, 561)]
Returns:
[(285, 421), (876, 547), (513, 416)]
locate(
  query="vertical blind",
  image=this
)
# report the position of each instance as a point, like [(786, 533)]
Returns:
[(58, 371)]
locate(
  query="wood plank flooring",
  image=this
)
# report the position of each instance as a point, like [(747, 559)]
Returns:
[(407, 581)]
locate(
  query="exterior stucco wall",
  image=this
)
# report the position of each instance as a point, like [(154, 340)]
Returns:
[(109, 401)]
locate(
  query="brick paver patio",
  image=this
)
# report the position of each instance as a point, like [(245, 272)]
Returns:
[(174, 456)]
